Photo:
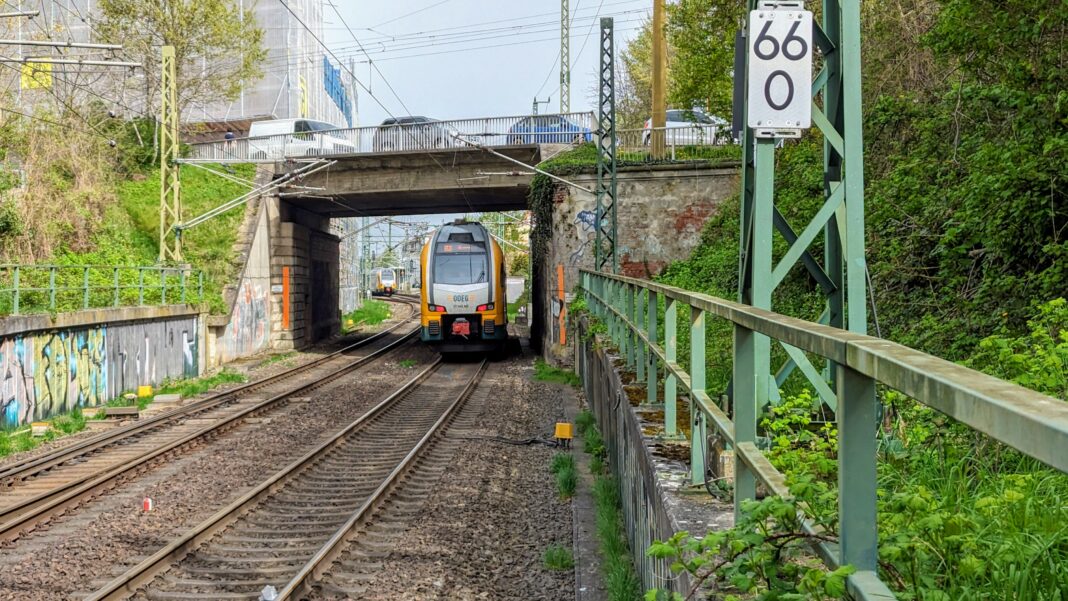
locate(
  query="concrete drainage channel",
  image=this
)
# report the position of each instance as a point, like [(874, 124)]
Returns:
[(38, 489), (280, 539)]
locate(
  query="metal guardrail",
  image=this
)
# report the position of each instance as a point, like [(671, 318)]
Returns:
[(559, 128), (1032, 423), (28, 289), (694, 142)]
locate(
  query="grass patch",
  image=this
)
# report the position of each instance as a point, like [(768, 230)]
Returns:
[(194, 386), (562, 461), (559, 558), (186, 387), (566, 481), (372, 312), (407, 363), (585, 421), (543, 372), (277, 358), (18, 441)]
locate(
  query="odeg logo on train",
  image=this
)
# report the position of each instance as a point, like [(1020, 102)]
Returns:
[(780, 70)]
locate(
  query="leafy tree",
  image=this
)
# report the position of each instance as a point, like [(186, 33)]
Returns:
[(702, 35), (635, 84), (218, 47)]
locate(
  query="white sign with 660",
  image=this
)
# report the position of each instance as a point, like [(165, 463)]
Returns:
[(780, 72)]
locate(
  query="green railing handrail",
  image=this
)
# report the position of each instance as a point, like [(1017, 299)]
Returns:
[(1033, 423), (93, 282)]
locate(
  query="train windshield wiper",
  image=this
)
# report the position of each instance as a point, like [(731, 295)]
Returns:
[(481, 277)]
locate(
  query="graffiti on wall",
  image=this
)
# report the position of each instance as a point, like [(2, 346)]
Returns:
[(53, 372), (16, 390), (249, 324), (585, 224)]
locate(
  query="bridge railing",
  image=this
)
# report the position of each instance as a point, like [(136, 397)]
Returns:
[(29, 289), (558, 128), (680, 143), (1032, 423)]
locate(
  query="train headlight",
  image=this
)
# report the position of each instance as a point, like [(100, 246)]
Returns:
[(435, 308), (486, 307)]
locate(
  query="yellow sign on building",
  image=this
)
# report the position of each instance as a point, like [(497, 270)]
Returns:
[(303, 87), (36, 76)]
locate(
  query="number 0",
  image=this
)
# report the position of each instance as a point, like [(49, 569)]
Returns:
[(789, 90)]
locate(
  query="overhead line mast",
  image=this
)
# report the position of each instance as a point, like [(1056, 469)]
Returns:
[(565, 56)]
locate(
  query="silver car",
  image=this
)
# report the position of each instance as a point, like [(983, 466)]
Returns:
[(285, 138), (688, 128)]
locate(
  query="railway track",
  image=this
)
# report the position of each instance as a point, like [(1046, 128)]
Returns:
[(37, 489), (286, 530)]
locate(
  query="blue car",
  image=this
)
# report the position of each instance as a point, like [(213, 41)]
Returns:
[(548, 129)]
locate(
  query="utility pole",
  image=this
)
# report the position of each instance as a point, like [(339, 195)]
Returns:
[(534, 105), (170, 199), (659, 119), (565, 57)]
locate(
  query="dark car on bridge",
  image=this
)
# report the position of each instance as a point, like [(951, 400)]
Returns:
[(548, 129), (412, 133)]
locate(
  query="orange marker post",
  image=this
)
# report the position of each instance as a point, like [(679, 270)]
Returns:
[(285, 298)]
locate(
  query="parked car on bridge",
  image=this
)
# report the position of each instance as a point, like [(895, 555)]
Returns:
[(688, 128), (283, 138), (412, 133), (548, 129)]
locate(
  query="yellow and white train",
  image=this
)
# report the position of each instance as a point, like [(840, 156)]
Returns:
[(383, 281), (462, 293)]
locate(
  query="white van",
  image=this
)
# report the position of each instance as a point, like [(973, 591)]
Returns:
[(285, 138)]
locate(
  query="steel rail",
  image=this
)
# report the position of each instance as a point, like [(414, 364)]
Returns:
[(17, 518), (320, 562), (143, 573), (33, 466)]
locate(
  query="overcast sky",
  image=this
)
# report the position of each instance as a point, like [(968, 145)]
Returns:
[(450, 59)]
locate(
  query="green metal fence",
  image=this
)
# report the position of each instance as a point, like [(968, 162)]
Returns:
[(28, 289), (1032, 423)]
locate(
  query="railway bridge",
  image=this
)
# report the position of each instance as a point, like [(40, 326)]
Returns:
[(459, 166)]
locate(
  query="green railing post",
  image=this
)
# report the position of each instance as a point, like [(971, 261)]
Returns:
[(115, 281), (628, 334), (745, 410), (650, 331), (140, 286), (639, 319), (52, 288), (697, 384), (85, 288), (163, 286), (671, 351), (200, 286), (857, 486), (181, 282), (15, 301)]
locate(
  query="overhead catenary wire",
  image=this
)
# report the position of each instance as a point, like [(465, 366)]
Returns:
[(367, 89), (379, 47)]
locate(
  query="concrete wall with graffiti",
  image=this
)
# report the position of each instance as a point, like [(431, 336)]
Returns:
[(247, 331), (52, 371), (661, 213)]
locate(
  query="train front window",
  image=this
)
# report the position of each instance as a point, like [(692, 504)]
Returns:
[(467, 268), (387, 274)]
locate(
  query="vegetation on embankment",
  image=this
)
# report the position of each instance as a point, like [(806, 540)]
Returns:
[(85, 202), (967, 231)]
